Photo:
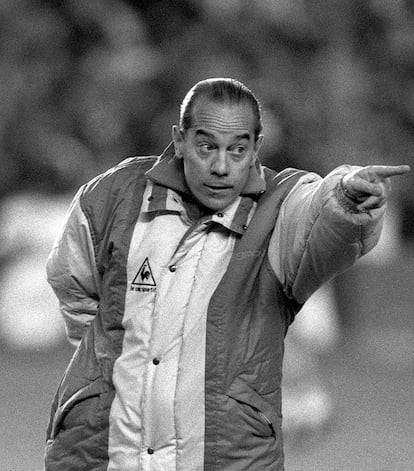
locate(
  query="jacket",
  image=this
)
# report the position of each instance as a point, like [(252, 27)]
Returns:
[(236, 411)]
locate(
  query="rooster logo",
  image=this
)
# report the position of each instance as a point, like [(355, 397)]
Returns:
[(144, 276)]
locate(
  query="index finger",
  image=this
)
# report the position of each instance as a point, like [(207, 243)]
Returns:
[(385, 171)]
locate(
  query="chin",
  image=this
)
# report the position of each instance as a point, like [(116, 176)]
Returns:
[(216, 205)]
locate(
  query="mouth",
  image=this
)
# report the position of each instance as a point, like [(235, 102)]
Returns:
[(216, 187)]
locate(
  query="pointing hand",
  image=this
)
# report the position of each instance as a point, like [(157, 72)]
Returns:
[(370, 186)]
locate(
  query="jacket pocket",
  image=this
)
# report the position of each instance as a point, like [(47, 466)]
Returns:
[(253, 409), (82, 406)]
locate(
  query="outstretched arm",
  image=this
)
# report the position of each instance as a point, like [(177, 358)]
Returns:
[(369, 187), (326, 224)]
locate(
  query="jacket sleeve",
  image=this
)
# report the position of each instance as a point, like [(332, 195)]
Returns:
[(319, 234), (72, 273)]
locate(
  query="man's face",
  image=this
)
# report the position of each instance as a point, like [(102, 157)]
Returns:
[(218, 151)]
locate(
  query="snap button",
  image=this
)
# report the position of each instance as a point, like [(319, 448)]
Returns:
[(173, 268), (150, 451), (220, 215), (156, 361)]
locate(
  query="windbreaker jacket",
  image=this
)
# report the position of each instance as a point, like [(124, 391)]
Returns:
[(290, 232)]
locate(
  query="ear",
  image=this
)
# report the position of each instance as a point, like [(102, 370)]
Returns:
[(257, 146), (178, 138)]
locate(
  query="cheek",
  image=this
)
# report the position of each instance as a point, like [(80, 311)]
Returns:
[(194, 168), (243, 175), (193, 174)]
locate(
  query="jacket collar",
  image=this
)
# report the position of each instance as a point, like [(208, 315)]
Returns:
[(159, 199), (168, 171)]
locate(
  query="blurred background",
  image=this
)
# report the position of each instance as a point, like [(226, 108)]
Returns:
[(85, 84)]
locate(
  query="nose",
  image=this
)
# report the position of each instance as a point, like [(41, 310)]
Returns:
[(219, 164)]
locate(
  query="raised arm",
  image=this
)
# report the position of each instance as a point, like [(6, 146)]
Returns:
[(326, 224)]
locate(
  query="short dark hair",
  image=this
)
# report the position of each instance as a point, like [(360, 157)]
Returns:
[(222, 90)]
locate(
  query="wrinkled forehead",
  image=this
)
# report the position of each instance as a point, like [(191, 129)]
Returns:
[(223, 117)]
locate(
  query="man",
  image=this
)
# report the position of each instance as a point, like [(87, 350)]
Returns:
[(178, 277)]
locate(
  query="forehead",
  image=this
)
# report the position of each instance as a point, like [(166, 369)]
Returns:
[(223, 117)]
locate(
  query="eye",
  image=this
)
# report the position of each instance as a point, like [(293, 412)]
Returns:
[(205, 147), (238, 150)]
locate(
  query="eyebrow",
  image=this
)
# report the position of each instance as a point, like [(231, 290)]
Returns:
[(201, 132), (239, 137)]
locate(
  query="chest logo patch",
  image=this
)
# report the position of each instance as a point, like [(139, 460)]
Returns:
[(144, 279)]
